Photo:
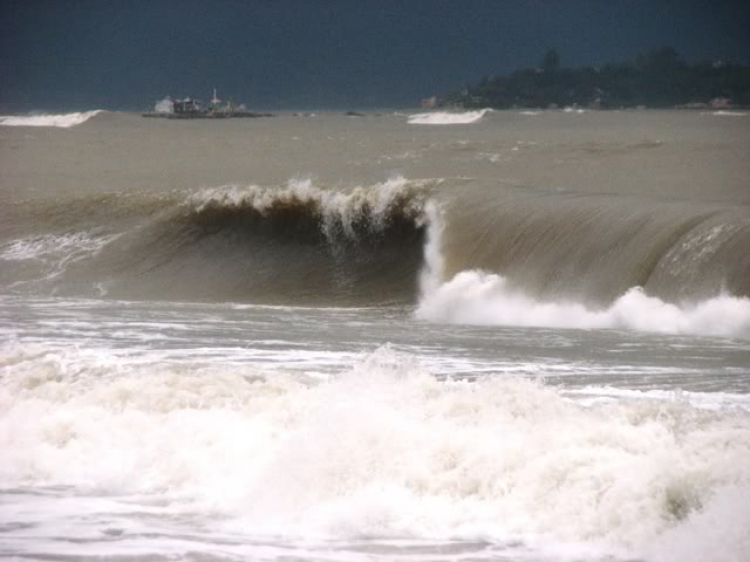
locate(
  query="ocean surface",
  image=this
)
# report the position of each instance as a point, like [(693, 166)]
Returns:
[(517, 336)]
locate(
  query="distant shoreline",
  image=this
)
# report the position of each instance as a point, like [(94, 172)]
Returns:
[(659, 79)]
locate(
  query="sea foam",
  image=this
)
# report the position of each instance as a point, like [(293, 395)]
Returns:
[(476, 297), (63, 121), (383, 450)]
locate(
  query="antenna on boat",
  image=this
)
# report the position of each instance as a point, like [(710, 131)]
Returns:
[(215, 99)]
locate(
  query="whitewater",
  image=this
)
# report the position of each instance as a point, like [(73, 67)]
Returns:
[(508, 336)]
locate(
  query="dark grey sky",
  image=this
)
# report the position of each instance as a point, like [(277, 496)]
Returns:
[(79, 54)]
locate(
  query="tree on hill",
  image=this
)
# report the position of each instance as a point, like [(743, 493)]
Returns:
[(551, 61)]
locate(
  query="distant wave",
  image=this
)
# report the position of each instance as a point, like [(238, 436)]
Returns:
[(447, 118), (723, 113), (63, 120)]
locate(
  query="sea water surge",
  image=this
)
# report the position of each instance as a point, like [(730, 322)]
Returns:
[(511, 337)]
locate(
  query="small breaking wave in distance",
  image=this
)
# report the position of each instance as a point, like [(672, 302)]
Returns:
[(62, 121), (448, 118), (165, 105), (725, 113)]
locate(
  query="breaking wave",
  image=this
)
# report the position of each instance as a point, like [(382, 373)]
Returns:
[(448, 118), (63, 121), (679, 259), (559, 260), (293, 244), (383, 450)]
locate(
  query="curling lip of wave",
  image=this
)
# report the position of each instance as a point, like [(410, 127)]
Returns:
[(63, 121), (476, 297), (448, 118)]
